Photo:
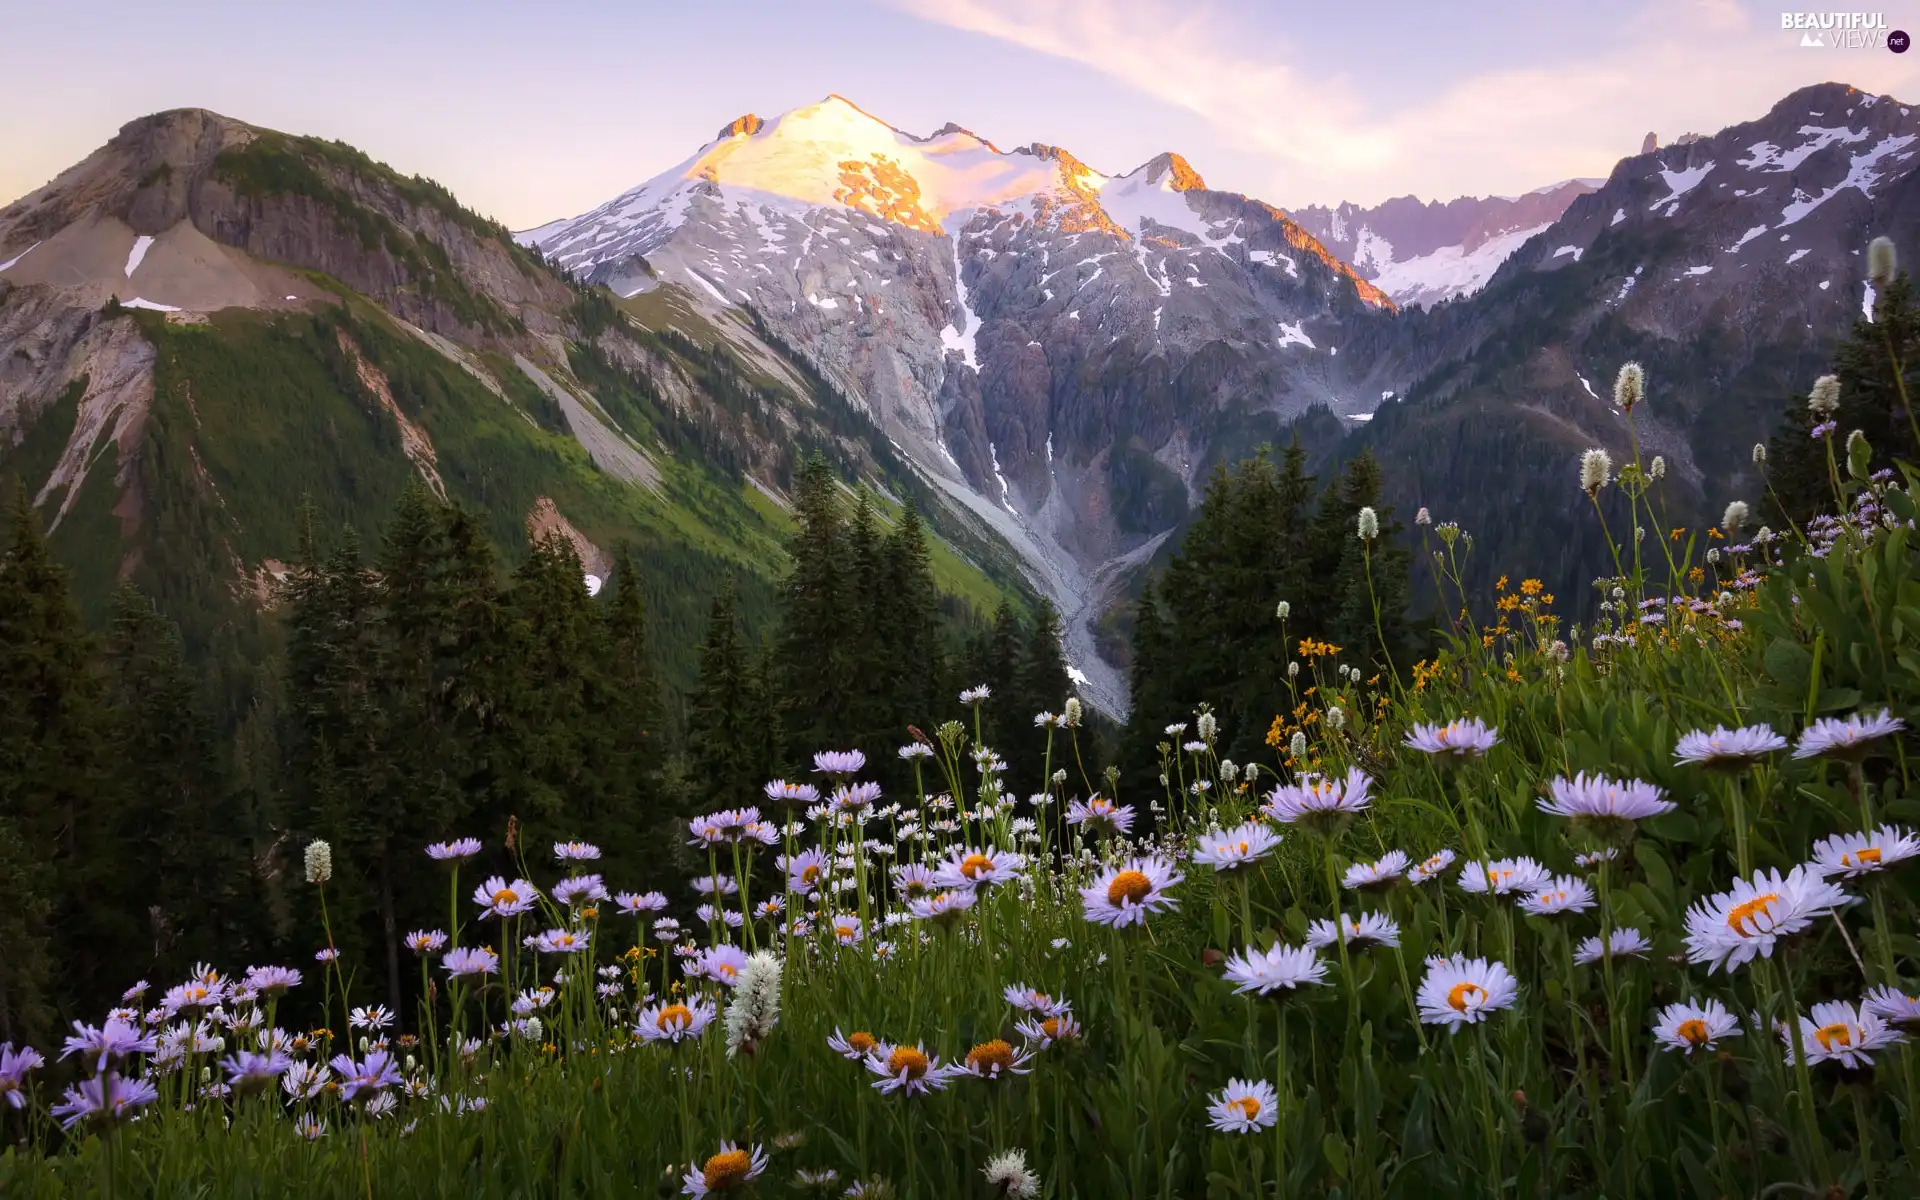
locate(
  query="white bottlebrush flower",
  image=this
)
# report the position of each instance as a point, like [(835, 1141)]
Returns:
[(1882, 261), (1071, 716), (755, 1007), (1824, 399), (1622, 943), (1734, 517), (1281, 966), (1839, 1032), (1657, 469), (319, 862), (1369, 929), (1336, 718), (1694, 1026), (1596, 469), (1208, 726), (1297, 745), (1729, 929), (1461, 991), (1423, 517), (1369, 524), (1283, 610), (1856, 854), (1244, 1106), (1008, 1176), (1229, 849), (1629, 385), (1759, 454)]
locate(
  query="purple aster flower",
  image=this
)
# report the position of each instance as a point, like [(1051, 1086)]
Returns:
[(645, 902), (456, 851), (115, 1039), (782, 792), (104, 1099), (579, 889), (425, 941), (851, 798), (271, 980), (367, 1078), (1728, 749), (561, 941), (502, 899), (1824, 429), (575, 851), (1851, 738), (14, 1065), (1463, 738), (1607, 806), (838, 762), (248, 1072), (470, 960), (327, 955)]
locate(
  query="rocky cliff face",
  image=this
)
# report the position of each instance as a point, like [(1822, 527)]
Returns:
[(1064, 351)]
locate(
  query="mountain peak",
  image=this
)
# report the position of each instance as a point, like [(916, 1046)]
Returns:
[(748, 124), (1185, 178)]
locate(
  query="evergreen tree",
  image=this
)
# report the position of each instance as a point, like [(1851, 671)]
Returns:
[(551, 753), (1040, 684), (61, 801), (818, 618), (719, 713), (184, 843), (623, 703), (908, 627)]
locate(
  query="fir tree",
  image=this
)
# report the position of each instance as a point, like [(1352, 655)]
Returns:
[(818, 618), (719, 713)]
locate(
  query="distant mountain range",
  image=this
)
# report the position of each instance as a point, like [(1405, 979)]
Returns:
[(1053, 358)]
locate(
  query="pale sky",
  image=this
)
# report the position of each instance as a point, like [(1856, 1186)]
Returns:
[(535, 111)]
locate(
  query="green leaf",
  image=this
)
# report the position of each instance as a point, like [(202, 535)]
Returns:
[(1788, 663), (1336, 1152)]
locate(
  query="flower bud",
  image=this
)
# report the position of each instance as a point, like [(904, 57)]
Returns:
[(319, 862)]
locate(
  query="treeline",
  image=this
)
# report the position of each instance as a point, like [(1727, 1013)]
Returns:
[(418, 689), (1207, 629)]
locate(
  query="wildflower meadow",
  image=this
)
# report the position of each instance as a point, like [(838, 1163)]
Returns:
[(1619, 910)]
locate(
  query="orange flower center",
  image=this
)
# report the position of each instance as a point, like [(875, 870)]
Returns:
[(845, 931), (1248, 1105), (727, 969), (810, 874), (1867, 857), (907, 1059), (505, 896), (973, 866), (1830, 1036), (862, 1041), (727, 1169), (1694, 1030), (1053, 1028), (990, 1056), (1752, 918), (676, 1016), (1463, 994), (1129, 885)]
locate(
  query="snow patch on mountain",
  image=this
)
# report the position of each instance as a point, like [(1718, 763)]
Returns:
[(1451, 270), (139, 251)]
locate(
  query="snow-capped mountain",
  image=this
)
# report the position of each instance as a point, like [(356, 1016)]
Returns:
[(1728, 264), (1424, 253), (1064, 350)]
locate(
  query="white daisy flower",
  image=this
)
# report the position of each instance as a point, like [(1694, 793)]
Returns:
[(1228, 849), (1461, 991), (978, 868), (1008, 1176), (1838, 1032), (1694, 1026), (1729, 929), (1857, 854), (1244, 1106), (1280, 966), (1623, 942), (1370, 929), (1893, 1006)]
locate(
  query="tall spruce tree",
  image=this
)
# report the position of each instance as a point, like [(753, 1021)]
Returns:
[(626, 697), (62, 805), (909, 626), (819, 618), (720, 712), (184, 841)]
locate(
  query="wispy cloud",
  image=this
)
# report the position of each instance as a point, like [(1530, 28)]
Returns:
[(1336, 134)]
